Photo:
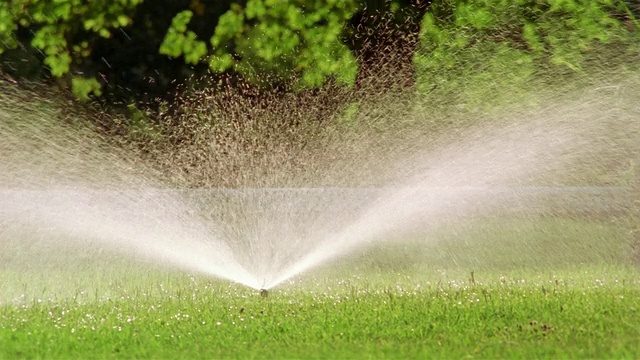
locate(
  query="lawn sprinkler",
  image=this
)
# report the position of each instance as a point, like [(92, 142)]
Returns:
[(263, 290)]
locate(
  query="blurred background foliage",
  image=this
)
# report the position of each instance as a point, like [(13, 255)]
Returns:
[(469, 48), (135, 50)]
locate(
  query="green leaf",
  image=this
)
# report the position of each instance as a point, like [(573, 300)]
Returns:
[(181, 20), (83, 88), (123, 20), (58, 63), (220, 63), (89, 24), (230, 24), (105, 33), (172, 44), (63, 10), (255, 9)]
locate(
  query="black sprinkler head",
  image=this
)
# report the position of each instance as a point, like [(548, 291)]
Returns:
[(264, 292)]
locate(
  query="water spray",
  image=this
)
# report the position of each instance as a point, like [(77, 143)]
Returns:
[(263, 290), (60, 185)]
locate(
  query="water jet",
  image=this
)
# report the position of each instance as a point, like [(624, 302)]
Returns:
[(297, 209)]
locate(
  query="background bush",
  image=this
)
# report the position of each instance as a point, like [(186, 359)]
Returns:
[(471, 48), (132, 49), (136, 49)]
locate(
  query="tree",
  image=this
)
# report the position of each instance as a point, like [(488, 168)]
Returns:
[(131, 49), (503, 44), (277, 38), (63, 32), (128, 44)]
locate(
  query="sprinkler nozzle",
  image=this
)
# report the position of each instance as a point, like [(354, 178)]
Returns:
[(264, 292)]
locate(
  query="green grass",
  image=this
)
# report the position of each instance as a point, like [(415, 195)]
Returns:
[(575, 294), (589, 312)]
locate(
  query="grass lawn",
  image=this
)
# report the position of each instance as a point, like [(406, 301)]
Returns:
[(583, 302), (588, 312)]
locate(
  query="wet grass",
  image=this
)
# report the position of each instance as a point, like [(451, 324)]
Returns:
[(587, 312), (584, 302)]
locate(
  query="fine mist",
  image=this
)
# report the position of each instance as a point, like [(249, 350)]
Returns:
[(259, 201), (61, 184)]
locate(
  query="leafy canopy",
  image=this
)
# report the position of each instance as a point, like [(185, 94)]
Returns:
[(277, 38)]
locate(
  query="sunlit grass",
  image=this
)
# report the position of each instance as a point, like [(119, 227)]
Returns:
[(480, 305), (586, 312)]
